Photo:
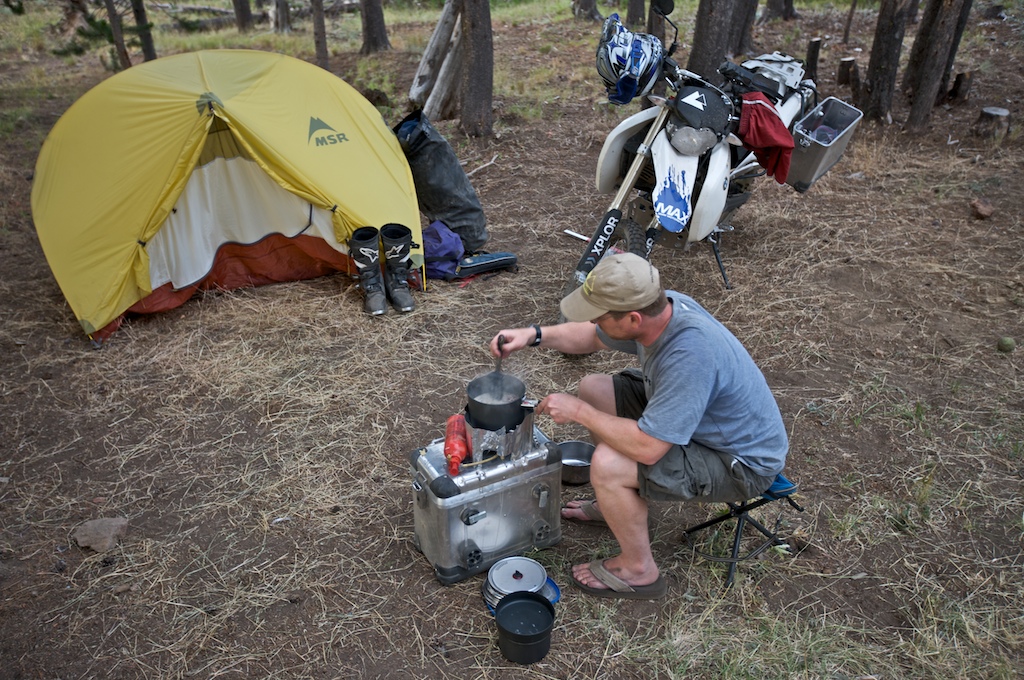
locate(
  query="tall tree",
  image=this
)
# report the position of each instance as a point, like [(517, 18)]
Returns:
[(586, 9), (961, 25), (319, 33), (118, 35), (656, 27), (929, 58), (875, 98), (779, 9), (281, 16), (739, 31), (477, 117), (635, 13), (144, 30), (243, 15), (375, 33), (711, 36)]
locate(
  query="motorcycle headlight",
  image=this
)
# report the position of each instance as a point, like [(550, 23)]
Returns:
[(691, 141)]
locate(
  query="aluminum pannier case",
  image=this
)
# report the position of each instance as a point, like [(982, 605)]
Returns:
[(819, 140), (491, 510)]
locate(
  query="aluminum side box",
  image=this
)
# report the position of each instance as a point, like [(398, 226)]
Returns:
[(487, 512), (819, 140)]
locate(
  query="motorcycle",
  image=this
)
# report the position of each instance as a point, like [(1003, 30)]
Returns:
[(681, 168)]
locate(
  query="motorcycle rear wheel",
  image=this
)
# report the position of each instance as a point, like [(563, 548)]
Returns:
[(628, 237)]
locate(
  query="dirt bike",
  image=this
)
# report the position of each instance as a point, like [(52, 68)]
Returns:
[(679, 169)]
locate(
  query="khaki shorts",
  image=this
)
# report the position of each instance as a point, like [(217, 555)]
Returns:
[(690, 472)]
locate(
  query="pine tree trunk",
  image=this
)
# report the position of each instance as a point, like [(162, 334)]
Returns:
[(875, 98), (145, 31), (118, 35), (711, 37), (656, 27), (281, 16), (778, 9), (375, 33), (320, 34), (635, 13), (849, 21), (586, 9), (739, 31), (965, 14), (477, 117), (243, 15), (928, 59)]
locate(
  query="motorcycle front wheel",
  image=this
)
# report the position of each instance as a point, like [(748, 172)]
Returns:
[(628, 237)]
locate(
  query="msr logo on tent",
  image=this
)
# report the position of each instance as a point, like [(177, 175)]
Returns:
[(318, 126)]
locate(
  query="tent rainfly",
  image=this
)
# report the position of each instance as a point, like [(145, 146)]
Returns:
[(211, 169)]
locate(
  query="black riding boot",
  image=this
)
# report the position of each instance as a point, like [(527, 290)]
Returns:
[(364, 249), (397, 241)]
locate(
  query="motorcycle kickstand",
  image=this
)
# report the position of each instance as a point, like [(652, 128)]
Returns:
[(718, 258)]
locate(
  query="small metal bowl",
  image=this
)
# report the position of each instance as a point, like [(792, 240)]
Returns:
[(576, 462)]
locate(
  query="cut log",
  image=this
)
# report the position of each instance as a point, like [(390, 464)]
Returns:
[(811, 64), (434, 55), (442, 103), (993, 123), (847, 70)]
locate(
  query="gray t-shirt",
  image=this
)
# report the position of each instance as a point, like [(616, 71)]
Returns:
[(702, 385)]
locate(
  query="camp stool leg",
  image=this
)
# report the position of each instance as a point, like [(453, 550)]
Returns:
[(364, 249), (781, 489), (397, 242)]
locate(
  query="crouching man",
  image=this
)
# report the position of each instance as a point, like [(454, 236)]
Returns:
[(697, 422)]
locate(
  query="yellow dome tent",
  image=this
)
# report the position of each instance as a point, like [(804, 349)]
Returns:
[(211, 169)]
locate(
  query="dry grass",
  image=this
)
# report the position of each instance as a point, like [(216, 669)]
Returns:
[(257, 440)]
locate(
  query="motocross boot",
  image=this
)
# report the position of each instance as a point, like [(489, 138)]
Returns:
[(397, 240), (364, 249)]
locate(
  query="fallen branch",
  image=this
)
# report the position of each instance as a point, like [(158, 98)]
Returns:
[(472, 172)]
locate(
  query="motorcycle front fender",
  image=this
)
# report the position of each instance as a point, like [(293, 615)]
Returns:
[(610, 161), (707, 211)]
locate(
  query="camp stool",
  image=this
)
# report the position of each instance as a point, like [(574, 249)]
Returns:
[(781, 489)]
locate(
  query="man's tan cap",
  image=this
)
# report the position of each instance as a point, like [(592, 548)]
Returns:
[(622, 282)]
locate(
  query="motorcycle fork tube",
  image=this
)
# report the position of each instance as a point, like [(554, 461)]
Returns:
[(598, 245)]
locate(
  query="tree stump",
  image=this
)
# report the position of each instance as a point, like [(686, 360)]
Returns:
[(993, 123), (961, 89), (847, 70)]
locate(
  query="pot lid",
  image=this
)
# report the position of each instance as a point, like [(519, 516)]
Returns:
[(514, 574)]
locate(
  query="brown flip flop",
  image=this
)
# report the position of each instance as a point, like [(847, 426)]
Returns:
[(589, 508), (617, 588)]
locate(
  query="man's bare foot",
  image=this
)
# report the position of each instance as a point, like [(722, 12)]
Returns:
[(609, 579), (584, 512)]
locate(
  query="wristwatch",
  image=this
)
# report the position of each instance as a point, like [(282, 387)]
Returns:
[(536, 341)]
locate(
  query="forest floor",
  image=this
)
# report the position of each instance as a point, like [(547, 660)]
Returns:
[(257, 440)]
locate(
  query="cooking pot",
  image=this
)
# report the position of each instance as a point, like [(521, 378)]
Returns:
[(576, 457), (496, 401)]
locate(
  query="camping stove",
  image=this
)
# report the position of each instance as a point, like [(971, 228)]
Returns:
[(503, 500)]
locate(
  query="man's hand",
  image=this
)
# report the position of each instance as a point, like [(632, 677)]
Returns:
[(563, 408), (515, 339)]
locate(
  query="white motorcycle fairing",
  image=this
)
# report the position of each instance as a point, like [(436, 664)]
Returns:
[(609, 162)]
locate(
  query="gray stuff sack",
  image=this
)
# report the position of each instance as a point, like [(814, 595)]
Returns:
[(443, 190)]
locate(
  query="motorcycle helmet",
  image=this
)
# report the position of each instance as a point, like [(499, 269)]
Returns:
[(628, 63)]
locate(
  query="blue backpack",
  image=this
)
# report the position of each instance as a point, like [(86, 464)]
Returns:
[(442, 250)]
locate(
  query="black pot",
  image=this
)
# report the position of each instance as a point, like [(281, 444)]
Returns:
[(524, 621), (496, 401)]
